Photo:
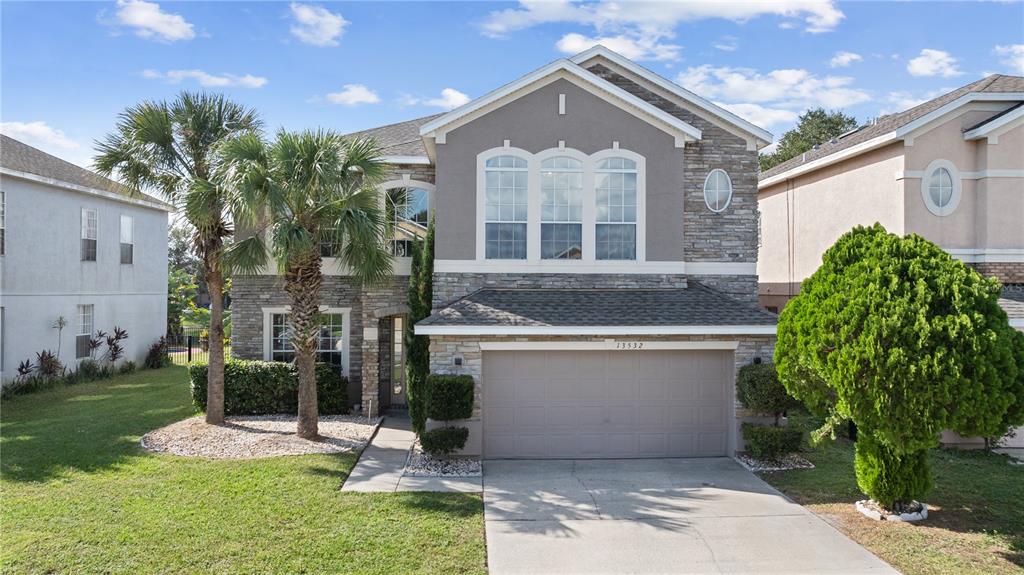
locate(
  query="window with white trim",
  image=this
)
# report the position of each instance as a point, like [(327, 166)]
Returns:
[(409, 213), (941, 187), (717, 190), (83, 332), (127, 239), (330, 348), (505, 207), (615, 194), (561, 209), (90, 226)]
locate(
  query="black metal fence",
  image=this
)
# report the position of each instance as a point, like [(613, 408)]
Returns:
[(189, 344)]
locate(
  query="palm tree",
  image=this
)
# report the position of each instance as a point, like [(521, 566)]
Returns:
[(174, 148), (300, 194)]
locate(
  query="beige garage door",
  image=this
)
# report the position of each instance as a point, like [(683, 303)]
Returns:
[(606, 404)]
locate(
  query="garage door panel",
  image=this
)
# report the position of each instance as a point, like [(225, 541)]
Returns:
[(601, 404)]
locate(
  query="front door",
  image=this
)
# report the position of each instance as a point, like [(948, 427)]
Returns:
[(397, 362)]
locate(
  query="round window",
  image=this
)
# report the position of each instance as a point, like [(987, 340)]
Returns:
[(717, 190), (940, 188)]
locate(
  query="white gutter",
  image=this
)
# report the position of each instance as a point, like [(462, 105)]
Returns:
[(595, 330), (415, 160), (86, 190), (830, 159)]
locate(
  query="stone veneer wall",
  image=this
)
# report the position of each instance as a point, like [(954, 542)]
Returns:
[(729, 236), (738, 287), (444, 350)]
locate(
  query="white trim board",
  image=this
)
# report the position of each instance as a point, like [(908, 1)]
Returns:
[(987, 255), (413, 160), (608, 344), (865, 146), (85, 190), (673, 88), (596, 267), (596, 330), (978, 175), (561, 69), (993, 128)]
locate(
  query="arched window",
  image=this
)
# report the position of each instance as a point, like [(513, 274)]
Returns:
[(561, 208), (717, 190), (505, 207), (615, 191), (408, 210)]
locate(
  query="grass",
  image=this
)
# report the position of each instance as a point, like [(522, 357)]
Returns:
[(975, 519), (80, 496)]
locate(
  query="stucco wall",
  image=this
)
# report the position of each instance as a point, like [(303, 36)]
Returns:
[(42, 276)]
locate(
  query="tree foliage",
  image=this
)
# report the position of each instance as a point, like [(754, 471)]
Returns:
[(894, 334), (758, 388), (420, 301), (815, 126)]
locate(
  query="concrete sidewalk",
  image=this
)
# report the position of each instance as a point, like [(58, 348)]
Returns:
[(380, 467)]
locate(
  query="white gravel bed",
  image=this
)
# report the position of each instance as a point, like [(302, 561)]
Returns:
[(916, 511), (784, 463), (422, 464), (251, 437)]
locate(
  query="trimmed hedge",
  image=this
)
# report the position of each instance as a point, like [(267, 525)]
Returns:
[(758, 388), (768, 442), (888, 477), (449, 397), (270, 387), (444, 440)]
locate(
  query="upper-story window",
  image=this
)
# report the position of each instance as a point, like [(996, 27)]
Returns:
[(127, 239), (505, 207), (561, 208), (90, 226), (940, 187), (409, 213), (615, 191), (717, 190)]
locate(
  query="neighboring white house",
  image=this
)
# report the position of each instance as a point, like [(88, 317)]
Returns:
[(79, 246)]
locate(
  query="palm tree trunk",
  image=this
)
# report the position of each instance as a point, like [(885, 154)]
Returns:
[(215, 371), (302, 282)]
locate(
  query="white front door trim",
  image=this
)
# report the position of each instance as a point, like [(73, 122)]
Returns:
[(608, 344)]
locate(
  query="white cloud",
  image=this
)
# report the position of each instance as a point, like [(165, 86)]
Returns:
[(205, 79), (316, 25), (933, 63), (353, 95), (795, 87), (450, 98), (149, 21), (844, 59), (761, 115), (902, 100), (726, 44), (633, 48), (1013, 56), (644, 26), (38, 134)]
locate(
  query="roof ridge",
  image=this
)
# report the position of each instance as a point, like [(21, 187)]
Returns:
[(382, 126)]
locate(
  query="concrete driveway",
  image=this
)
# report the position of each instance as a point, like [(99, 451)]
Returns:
[(654, 516)]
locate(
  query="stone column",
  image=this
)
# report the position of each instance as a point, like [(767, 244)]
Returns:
[(371, 364)]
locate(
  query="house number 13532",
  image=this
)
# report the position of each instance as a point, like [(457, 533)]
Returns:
[(629, 345)]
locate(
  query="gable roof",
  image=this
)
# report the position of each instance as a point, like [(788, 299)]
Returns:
[(437, 128), (600, 51), (994, 86), (20, 159), (401, 138)]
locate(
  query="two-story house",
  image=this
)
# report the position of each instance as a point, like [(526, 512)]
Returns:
[(595, 266), (77, 246), (950, 169)]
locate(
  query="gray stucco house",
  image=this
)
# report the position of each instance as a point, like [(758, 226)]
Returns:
[(77, 245), (595, 266)]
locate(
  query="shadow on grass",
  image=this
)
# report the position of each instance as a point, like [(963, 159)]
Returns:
[(88, 427), (451, 504)]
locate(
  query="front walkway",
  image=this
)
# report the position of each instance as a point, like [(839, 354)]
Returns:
[(654, 516), (380, 466)]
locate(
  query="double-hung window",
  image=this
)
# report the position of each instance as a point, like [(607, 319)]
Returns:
[(506, 201), (330, 341), (615, 191), (83, 333), (127, 239), (90, 225), (561, 209)]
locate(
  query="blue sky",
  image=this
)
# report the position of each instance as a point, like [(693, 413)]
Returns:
[(67, 69)]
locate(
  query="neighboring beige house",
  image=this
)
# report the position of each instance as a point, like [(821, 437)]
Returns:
[(951, 170)]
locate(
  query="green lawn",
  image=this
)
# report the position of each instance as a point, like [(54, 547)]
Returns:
[(975, 519), (80, 496)]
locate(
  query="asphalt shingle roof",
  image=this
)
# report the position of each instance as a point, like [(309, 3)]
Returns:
[(401, 139), (886, 124), (690, 306), (1012, 301), (21, 157)]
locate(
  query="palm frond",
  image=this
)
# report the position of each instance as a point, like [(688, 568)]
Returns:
[(248, 256)]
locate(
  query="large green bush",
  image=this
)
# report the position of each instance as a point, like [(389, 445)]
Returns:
[(269, 387), (444, 440), (889, 477), (758, 388), (449, 397), (894, 334), (769, 442)]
